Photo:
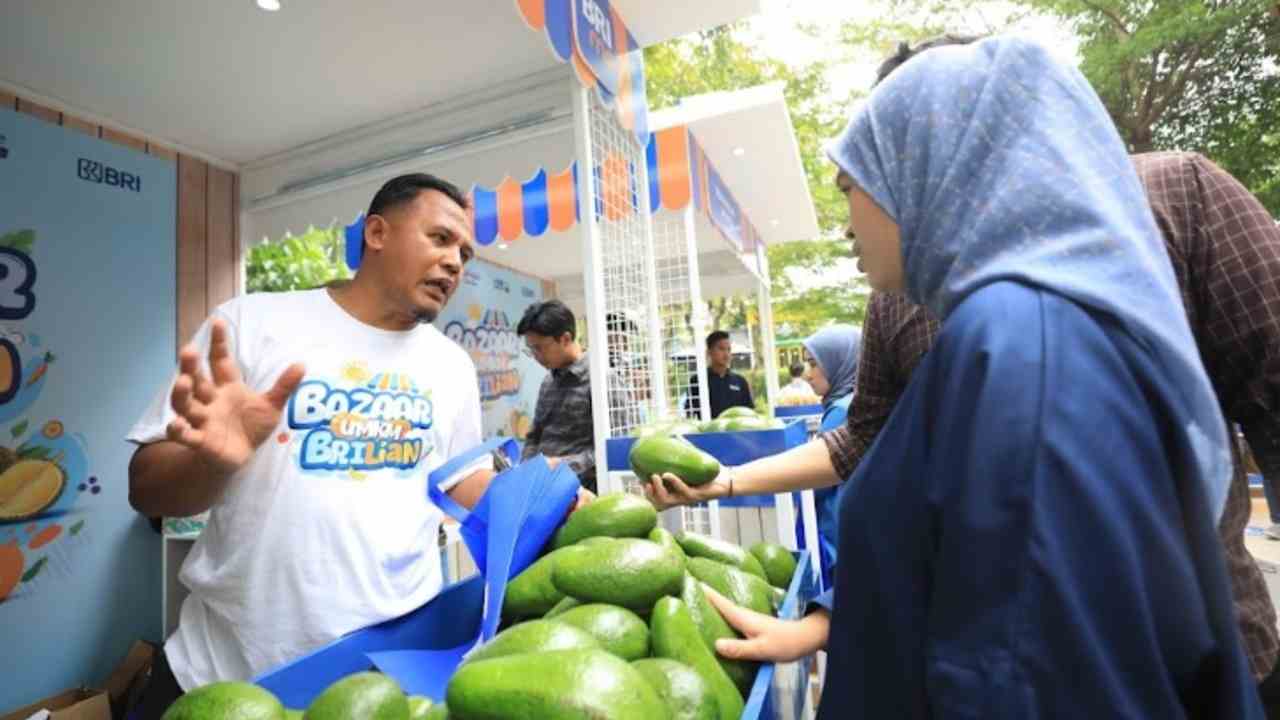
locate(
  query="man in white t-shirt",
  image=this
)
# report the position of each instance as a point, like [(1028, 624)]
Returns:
[(309, 434)]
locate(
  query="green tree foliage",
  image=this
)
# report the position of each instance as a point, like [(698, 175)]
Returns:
[(722, 60), (297, 262), (719, 60), (1195, 75)]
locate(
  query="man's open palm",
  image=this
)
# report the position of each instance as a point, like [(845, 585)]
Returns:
[(221, 418)]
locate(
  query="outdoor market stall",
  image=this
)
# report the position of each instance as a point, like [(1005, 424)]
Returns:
[(298, 125), (210, 127)]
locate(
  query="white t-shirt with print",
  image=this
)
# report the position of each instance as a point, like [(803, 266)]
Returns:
[(328, 527)]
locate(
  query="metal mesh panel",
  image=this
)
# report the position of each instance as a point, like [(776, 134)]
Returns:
[(626, 267), (675, 307)]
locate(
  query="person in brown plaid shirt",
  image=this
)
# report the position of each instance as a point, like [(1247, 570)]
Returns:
[(1225, 250)]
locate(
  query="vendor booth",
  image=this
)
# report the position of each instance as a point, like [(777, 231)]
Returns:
[(257, 124)]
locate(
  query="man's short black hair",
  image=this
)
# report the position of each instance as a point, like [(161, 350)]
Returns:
[(404, 189), (716, 337), (797, 369), (549, 319), (905, 52)]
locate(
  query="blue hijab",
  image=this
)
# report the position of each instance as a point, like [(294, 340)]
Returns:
[(836, 348), (1000, 163)]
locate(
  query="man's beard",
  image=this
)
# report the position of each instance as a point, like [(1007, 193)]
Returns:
[(425, 317)]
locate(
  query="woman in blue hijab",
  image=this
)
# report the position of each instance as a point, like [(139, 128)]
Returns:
[(1032, 535), (833, 363), (833, 372)]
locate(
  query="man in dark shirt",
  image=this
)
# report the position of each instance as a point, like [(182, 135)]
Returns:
[(726, 388), (562, 426)]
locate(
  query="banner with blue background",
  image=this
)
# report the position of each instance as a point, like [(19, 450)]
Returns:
[(482, 317), (87, 325)]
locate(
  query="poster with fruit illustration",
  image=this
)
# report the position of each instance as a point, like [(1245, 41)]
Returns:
[(482, 317), (87, 337)]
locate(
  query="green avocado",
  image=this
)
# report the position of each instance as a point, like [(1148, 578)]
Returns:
[(663, 537), (419, 706), (778, 563), (658, 454), (561, 606), (559, 685), (742, 588), (705, 546), (362, 696), (534, 636), (617, 515), (712, 626), (627, 572), (531, 593), (675, 637), (682, 689), (617, 629), (216, 701)]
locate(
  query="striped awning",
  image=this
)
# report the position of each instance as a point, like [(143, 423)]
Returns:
[(679, 173)]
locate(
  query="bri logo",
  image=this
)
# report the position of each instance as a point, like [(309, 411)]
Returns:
[(600, 22), (97, 172)]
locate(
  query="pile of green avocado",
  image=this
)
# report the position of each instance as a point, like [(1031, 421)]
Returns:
[(734, 419), (362, 696), (611, 623)]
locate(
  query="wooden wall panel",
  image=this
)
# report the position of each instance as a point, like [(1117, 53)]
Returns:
[(44, 113), (208, 221), (83, 126), (193, 306), (124, 139), (220, 256), (161, 152)]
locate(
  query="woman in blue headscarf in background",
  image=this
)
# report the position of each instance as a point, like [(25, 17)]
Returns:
[(833, 372), (1032, 534)]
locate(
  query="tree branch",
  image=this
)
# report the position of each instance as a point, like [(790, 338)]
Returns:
[(1149, 95), (1110, 14), (1179, 84)]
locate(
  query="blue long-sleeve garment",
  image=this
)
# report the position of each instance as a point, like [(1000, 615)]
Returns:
[(826, 500), (1024, 540)]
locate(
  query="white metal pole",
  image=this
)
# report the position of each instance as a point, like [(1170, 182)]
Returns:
[(593, 286), (698, 315), (768, 339), (786, 516), (809, 512), (658, 400), (699, 311)]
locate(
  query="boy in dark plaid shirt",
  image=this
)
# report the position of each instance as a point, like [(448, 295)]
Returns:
[(563, 429)]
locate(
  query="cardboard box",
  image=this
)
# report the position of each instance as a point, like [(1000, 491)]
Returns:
[(126, 682), (76, 704), (119, 692)]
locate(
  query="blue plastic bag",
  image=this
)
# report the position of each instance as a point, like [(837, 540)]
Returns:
[(551, 494), (504, 533)]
